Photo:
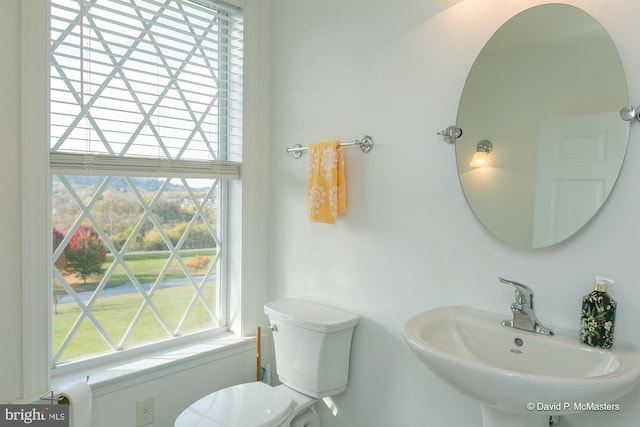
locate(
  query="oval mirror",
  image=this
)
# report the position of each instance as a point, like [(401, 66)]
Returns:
[(545, 91)]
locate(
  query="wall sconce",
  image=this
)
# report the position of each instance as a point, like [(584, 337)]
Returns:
[(481, 156)]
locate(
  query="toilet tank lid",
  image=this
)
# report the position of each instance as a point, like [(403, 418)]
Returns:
[(310, 315)]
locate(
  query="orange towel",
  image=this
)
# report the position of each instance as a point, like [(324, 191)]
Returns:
[(326, 189)]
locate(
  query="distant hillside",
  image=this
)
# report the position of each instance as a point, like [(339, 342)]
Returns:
[(119, 183)]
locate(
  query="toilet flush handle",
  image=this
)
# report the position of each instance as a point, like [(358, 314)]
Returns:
[(274, 328)]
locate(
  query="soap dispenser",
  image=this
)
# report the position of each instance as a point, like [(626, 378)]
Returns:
[(598, 315)]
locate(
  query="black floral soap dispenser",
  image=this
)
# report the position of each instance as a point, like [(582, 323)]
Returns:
[(598, 315)]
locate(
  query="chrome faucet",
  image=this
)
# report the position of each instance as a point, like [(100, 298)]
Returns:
[(524, 317)]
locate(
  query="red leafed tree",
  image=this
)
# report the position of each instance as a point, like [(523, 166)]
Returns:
[(58, 290), (85, 253), (200, 262), (58, 237)]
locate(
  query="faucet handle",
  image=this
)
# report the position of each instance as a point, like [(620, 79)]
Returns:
[(524, 294)]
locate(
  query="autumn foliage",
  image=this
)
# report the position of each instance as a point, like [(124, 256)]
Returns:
[(200, 262), (84, 255)]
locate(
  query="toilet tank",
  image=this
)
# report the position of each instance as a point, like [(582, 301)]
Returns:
[(312, 345)]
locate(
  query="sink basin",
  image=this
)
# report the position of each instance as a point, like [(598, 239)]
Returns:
[(520, 378)]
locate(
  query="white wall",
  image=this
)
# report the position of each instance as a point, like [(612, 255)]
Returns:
[(409, 242), (10, 303)]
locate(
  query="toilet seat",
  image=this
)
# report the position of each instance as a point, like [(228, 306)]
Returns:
[(245, 405)]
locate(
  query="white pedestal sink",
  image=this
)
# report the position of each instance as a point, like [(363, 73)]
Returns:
[(520, 378)]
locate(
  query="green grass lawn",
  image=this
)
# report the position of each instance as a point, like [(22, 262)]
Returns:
[(116, 313), (145, 269)]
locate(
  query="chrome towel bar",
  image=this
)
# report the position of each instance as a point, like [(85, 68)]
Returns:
[(365, 143)]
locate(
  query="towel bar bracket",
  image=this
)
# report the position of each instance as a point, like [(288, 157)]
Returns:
[(366, 143), (296, 151)]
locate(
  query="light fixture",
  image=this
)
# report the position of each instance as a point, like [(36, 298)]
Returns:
[(481, 156)]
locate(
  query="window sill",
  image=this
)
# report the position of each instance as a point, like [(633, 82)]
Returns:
[(110, 377)]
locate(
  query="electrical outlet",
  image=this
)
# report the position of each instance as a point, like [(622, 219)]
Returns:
[(145, 412)]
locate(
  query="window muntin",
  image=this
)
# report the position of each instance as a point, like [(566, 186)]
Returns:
[(145, 128)]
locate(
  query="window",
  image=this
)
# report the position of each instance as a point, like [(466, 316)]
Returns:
[(146, 131)]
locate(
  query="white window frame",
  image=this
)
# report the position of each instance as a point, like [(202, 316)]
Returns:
[(248, 200), (221, 143)]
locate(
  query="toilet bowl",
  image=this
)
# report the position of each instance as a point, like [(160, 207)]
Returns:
[(251, 405), (312, 345)]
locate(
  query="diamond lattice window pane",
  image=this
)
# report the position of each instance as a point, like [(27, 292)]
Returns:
[(152, 81), (87, 339), (158, 244), (147, 329)]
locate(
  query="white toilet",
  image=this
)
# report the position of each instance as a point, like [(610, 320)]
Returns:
[(312, 345)]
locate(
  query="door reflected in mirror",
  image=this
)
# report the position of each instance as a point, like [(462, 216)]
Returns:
[(546, 90)]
